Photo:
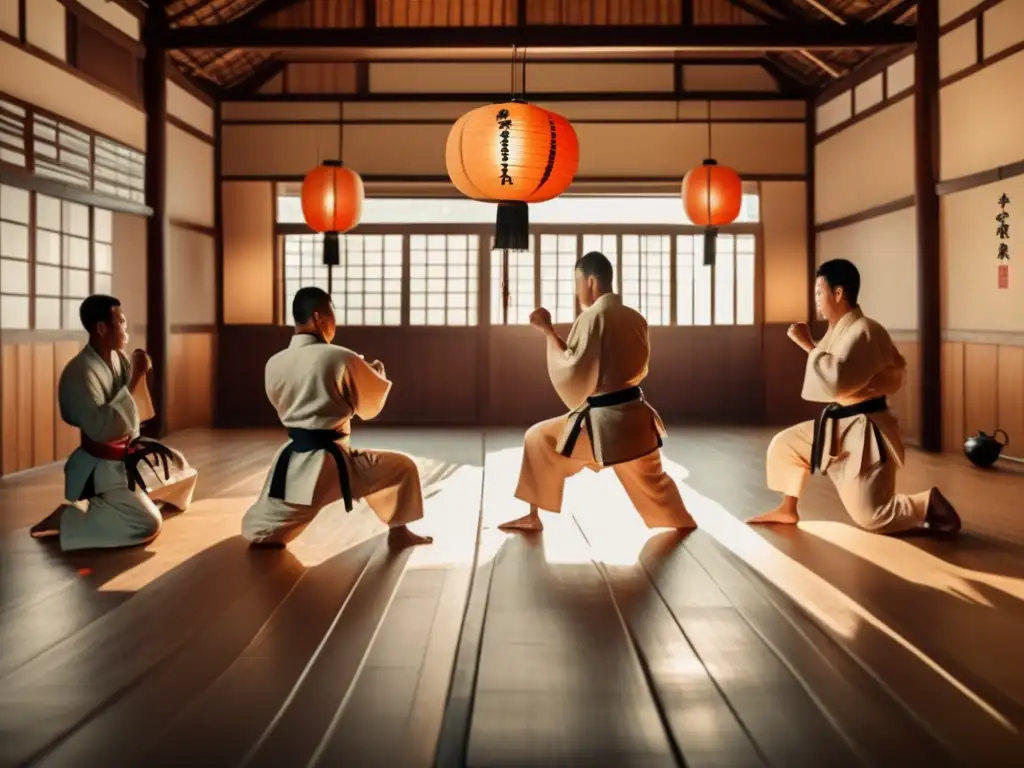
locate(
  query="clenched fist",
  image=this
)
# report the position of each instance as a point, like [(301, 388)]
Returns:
[(141, 362), (540, 318), (800, 334)]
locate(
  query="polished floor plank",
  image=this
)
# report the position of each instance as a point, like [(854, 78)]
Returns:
[(931, 619), (226, 720), (51, 595), (295, 736), (896, 650), (877, 725), (703, 725), (122, 731), (786, 724), (392, 713), (559, 683), (55, 691)]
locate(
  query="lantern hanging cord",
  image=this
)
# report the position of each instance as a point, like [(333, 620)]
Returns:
[(707, 181), (710, 153), (512, 85), (522, 81)]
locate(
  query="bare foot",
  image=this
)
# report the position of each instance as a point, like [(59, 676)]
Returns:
[(530, 522), (941, 517), (47, 528), (401, 537), (784, 514)]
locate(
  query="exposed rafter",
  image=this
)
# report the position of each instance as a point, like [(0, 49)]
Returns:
[(260, 76), (757, 37)]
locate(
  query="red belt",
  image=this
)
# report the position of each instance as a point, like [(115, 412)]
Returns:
[(115, 450), (132, 452)]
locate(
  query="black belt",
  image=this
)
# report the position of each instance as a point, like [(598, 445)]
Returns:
[(582, 415), (138, 450), (307, 441), (835, 412)]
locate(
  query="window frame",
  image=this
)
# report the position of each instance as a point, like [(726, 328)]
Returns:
[(67, 323), (486, 232)]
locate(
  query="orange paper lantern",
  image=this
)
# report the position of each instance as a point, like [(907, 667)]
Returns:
[(332, 203), (512, 154), (712, 198)]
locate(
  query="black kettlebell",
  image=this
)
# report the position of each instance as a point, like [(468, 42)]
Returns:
[(983, 450)]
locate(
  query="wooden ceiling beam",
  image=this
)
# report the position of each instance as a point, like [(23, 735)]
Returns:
[(896, 11), (788, 81), (763, 37), (260, 12), (537, 97)]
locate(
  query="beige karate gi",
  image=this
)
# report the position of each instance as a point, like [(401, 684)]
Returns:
[(96, 400), (855, 361), (608, 350), (313, 385)]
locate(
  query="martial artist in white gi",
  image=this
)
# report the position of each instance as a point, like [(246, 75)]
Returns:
[(316, 388)]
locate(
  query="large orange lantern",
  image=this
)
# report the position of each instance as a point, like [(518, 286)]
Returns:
[(332, 203), (712, 197), (512, 154)]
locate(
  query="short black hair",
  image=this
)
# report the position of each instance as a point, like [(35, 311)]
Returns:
[(97, 309), (596, 264), (307, 301), (840, 273)]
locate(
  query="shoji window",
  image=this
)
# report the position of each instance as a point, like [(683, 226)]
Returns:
[(443, 285)]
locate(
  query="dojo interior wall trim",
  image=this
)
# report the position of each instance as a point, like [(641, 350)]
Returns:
[(388, 140)]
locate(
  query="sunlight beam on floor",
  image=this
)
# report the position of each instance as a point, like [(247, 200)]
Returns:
[(829, 605), (912, 564)]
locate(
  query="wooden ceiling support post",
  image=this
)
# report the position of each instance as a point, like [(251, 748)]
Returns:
[(158, 329), (810, 139), (926, 177)]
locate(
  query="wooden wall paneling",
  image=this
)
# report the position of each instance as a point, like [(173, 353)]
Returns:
[(904, 404), (1010, 417), (66, 437), (33, 432), (199, 351), (784, 365), (191, 380), (9, 364), (981, 391), (953, 396), (24, 420), (44, 408), (910, 417), (518, 389), (177, 382)]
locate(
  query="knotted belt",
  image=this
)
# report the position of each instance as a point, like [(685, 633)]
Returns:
[(581, 415), (307, 441), (834, 412), (131, 452)]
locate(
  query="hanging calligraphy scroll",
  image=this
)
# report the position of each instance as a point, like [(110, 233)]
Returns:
[(1003, 233)]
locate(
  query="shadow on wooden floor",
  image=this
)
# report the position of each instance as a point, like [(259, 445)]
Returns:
[(585, 645)]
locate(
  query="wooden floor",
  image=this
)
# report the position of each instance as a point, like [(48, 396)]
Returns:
[(592, 644)]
